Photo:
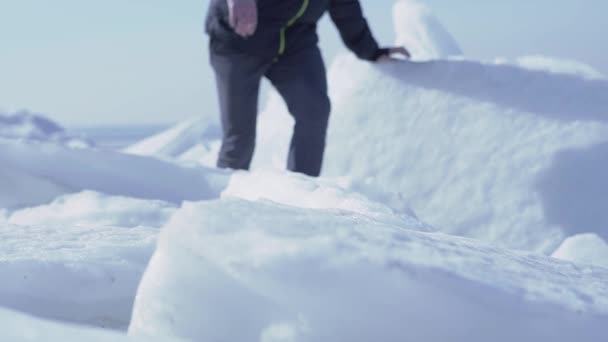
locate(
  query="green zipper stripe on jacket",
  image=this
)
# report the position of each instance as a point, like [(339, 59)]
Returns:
[(290, 23)]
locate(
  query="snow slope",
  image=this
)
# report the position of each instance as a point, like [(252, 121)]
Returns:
[(292, 274), (60, 170), (85, 274), (17, 327), (476, 149), (79, 258), (191, 140), (511, 153)]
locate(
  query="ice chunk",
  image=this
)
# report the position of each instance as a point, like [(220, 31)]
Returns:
[(310, 275)]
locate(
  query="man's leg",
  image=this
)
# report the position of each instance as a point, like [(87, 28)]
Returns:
[(238, 83), (301, 80)]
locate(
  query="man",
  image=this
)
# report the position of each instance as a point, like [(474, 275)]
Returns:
[(277, 39)]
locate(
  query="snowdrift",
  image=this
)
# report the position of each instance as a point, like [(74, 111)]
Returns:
[(195, 140), (483, 150), (60, 170), (293, 274)]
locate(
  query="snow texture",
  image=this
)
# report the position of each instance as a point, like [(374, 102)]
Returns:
[(511, 153), (79, 274), (585, 249), (485, 150), (60, 170), (493, 151), (293, 274), (476, 149), (17, 327), (421, 32)]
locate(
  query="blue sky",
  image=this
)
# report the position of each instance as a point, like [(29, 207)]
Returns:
[(145, 61)]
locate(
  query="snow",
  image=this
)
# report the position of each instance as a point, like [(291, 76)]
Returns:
[(585, 249), (437, 172), (557, 65), (25, 125), (292, 274), (304, 192), (91, 208), (63, 170), (85, 274), (421, 32), (17, 327), (489, 150), (470, 145), (192, 139)]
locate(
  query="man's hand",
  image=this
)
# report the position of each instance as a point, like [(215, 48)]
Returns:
[(243, 16), (388, 54)]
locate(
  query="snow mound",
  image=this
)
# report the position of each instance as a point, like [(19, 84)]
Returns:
[(421, 32), (305, 192), (584, 248), (195, 140), (293, 274), (91, 208), (475, 149), (60, 170), (25, 125), (17, 327), (78, 274)]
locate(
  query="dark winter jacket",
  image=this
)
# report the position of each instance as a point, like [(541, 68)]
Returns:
[(287, 25)]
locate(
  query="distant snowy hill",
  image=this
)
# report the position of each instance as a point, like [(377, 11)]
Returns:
[(25, 125)]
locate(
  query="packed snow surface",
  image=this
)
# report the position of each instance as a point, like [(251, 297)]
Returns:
[(294, 274)]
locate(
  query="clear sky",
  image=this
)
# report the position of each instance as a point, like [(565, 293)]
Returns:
[(145, 61)]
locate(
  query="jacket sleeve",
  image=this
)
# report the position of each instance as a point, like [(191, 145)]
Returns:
[(347, 15)]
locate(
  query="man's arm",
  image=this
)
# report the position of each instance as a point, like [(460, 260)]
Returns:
[(347, 15)]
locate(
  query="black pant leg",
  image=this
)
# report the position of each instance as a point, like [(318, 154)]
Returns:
[(238, 83), (300, 78)]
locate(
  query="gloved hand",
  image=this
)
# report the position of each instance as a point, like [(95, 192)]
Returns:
[(386, 54), (243, 16)]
